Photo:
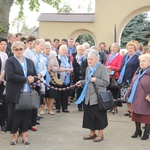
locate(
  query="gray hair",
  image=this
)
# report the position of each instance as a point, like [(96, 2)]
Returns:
[(117, 45), (145, 56), (15, 44), (80, 46), (48, 44), (38, 41), (94, 47), (87, 45), (63, 46), (94, 54)]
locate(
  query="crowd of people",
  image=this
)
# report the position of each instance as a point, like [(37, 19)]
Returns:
[(63, 70)]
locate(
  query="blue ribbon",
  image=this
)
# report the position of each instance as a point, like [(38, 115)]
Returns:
[(64, 61), (127, 59), (47, 73), (37, 62), (131, 97), (24, 68), (90, 73)]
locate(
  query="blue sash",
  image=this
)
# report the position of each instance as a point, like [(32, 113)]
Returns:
[(47, 73), (65, 61), (24, 68), (37, 62), (124, 68), (90, 73), (131, 97)]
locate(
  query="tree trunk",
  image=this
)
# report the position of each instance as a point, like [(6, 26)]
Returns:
[(5, 6)]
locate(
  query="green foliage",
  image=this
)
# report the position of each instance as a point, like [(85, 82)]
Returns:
[(137, 29), (34, 5), (1, 28), (65, 9), (85, 38)]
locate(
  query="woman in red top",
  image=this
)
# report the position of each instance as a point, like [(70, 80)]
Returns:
[(113, 65)]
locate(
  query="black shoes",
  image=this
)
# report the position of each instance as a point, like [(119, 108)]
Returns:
[(145, 136), (13, 142), (128, 114), (26, 142), (3, 128), (58, 111), (137, 133), (66, 111)]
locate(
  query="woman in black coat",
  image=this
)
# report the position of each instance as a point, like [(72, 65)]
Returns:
[(77, 62), (19, 73)]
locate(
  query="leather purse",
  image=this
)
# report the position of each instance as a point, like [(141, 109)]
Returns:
[(56, 81), (28, 100), (105, 99), (113, 83)]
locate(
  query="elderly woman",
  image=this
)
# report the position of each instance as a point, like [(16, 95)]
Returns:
[(113, 65), (39, 61), (77, 62), (53, 67), (129, 66), (64, 74), (19, 72), (139, 96), (93, 118)]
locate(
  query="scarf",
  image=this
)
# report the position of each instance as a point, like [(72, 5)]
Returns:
[(140, 74), (48, 78), (79, 59), (65, 61), (127, 59), (90, 73), (24, 68)]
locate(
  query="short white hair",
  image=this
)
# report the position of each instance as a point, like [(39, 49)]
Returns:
[(145, 56), (87, 45), (48, 44), (94, 54)]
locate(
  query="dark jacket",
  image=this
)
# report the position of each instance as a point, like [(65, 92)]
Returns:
[(15, 79), (131, 67), (84, 65), (140, 105), (76, 71)]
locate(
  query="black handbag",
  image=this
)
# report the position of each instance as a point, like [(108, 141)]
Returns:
[(28, 100), (105, 99), (113, 83)]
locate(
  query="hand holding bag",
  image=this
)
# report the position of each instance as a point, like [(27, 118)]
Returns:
[(28, 100), (105, 99)]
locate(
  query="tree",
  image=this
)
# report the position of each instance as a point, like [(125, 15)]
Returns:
[(137, 29), (65, 8), (5, 6), (85, 38)]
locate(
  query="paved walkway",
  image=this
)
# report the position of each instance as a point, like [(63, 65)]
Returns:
[(64, 132)]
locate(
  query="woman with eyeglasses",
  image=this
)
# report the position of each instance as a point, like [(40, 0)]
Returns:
[(19, 73)]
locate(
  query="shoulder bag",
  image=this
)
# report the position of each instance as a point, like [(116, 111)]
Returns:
[(28, 100), (105, 99)]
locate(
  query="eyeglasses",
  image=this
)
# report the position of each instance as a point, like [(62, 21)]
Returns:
[(18, 49)]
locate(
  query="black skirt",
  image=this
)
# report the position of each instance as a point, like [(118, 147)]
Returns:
[(17, 119), (93, 118), (51, 93)]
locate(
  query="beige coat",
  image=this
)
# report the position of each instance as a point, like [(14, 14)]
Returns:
[(53, 63)]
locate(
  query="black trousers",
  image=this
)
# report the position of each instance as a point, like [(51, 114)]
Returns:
[(62, 100), (2, 105), (3, 113)]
